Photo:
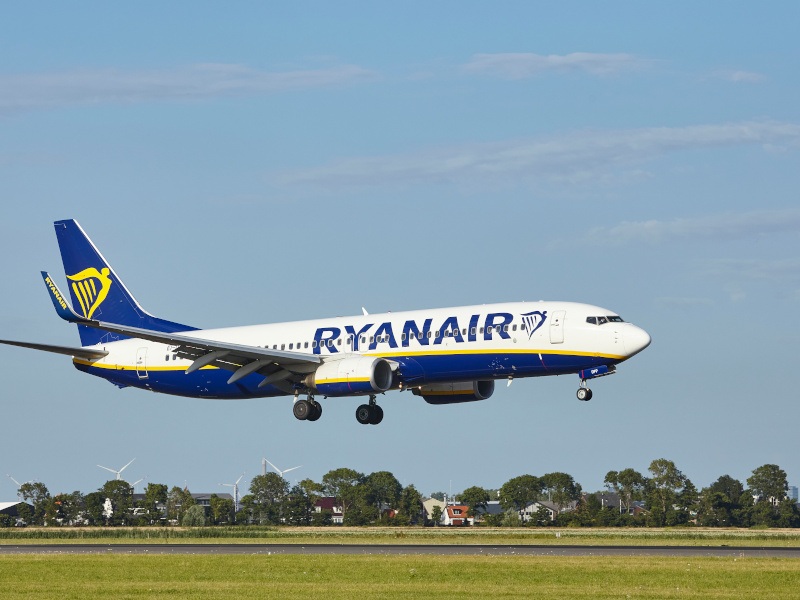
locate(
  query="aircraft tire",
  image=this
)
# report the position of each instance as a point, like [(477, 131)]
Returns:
[(377, 415), (316, 412), (584, 394), (364, 414), (302, 409)]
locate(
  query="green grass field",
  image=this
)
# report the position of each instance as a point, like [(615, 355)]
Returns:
[(688, 536), (333, 577)]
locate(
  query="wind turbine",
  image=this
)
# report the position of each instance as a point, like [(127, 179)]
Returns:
[(265, 462), (235, 487), (118, 473)]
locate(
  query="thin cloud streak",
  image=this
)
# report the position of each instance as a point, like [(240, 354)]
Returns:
[(573, 157), (112, 86), (718, 227), (523, 65)]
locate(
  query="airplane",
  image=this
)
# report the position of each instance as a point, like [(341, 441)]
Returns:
[(444, 355)]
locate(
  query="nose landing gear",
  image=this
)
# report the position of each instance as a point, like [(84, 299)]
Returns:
[(584, 393)]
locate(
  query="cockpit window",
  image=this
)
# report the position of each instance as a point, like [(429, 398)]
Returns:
[(604, 319)]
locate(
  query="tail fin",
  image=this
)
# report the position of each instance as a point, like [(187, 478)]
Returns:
[(96, 290)]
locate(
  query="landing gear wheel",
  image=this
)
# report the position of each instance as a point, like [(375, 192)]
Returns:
[(584, 394), (316, 412), (303, 409), (364, 414), (377, 415)]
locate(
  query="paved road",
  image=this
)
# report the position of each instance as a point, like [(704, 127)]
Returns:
[(474, 550)]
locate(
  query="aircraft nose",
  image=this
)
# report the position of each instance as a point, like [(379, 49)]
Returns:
[(636, 340)]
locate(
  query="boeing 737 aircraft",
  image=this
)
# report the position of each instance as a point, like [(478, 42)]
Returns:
[(445, 355)]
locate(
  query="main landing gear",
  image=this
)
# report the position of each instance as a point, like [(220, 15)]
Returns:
[(369, 414), (307, 410)]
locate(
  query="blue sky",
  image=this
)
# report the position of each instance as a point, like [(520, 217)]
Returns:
[(262, 162)]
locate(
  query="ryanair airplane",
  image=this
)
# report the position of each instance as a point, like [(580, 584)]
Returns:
[(445, 355)]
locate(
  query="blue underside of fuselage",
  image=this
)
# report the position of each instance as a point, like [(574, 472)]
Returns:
[(414, 370)]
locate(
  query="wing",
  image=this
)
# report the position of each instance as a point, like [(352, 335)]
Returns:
[(277, 366)]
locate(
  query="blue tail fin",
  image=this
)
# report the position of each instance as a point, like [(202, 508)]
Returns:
[(96, 290)]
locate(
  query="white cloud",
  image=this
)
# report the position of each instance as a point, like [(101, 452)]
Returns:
[(721, 226), (523, 65), (740, 76), (576, 156), (106, 86)]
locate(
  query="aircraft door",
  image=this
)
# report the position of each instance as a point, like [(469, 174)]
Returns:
[(141, 363), (557, 327)]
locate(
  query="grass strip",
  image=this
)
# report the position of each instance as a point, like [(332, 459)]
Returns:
[(334, 577), (406, 535)]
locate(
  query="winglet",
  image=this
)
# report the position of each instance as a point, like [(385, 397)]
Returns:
[(63, 309)]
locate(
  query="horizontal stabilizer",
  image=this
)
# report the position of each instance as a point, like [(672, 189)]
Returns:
[(69, 351)]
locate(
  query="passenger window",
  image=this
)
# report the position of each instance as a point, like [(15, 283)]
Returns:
[(472, 331), (291, 346), (167, 357), (314, 344), (339, 343), (481, 329), (403, 338), (371, 339), (505, 327), (429, 335), (283, 346)]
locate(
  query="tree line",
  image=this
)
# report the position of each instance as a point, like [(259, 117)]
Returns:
[(662, 497)]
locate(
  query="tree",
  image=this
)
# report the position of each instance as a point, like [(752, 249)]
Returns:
[(120, 493), (268, 491), (341, 484), (195, 516), (178, 502), (519, 492), (155, 495), (298, 506), (667, 480), (436, 515), (562, 489), (383, 490), (628, 484), (64, 509), (221, 509), (38, 495), (411, 504), (476, 498), (769, 483), (438, 496), (93, 505)]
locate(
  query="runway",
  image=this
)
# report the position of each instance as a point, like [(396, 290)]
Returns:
[(406, 549)]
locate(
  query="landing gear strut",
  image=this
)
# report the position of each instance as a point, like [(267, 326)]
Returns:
[(369, 414), (307, 410)]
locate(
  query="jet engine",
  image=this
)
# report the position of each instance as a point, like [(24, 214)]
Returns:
[(349, 376), (455, 392)]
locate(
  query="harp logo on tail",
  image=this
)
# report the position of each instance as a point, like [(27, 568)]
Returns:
[(534, 320), (90, 287)]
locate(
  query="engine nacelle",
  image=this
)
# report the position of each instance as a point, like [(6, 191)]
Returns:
[(455, 392), (348, 376)]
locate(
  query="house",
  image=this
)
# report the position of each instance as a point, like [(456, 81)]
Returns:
[(457, 515), (427, 509), (11, 510), (329, 503)]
